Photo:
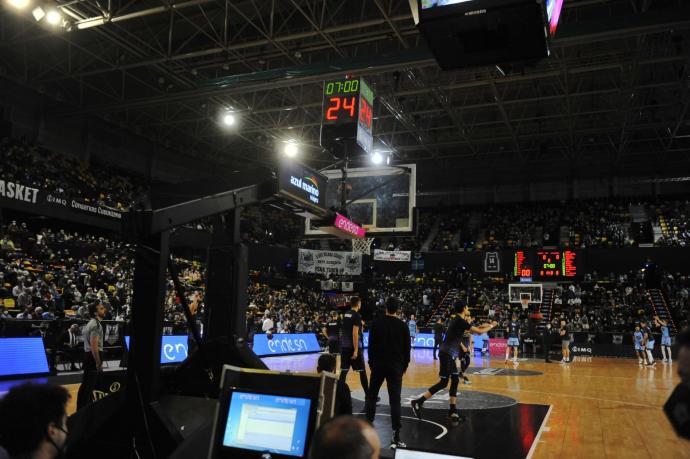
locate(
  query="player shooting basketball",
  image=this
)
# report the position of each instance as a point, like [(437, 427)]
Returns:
[(448, 369)]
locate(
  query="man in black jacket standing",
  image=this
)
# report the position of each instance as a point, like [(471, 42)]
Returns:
[(389, 356)]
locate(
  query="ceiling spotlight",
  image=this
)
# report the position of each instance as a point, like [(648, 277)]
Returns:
[(290, 150), (38, 13), (377, 158), (53, 17), (229, 119), (19, 4)]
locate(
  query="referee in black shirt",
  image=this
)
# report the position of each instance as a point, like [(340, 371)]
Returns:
[(389, 356)]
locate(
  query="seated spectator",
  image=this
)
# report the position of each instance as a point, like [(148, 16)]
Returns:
[(345, 437), (33, 421), (343, 398)]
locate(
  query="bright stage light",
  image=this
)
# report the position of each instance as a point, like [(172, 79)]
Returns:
[(19, 4), (229, 119), (38, 13), (53, 17), (377, 158), (290, 150)]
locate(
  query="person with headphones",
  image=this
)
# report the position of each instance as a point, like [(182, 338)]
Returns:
[(93, 346)]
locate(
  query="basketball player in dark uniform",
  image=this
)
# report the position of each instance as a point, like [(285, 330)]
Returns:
[(447, 368), (438, 335), (466, 350), (352, 345), (332, 333)]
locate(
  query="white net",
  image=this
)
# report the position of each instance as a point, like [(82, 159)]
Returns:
[(362, 245)]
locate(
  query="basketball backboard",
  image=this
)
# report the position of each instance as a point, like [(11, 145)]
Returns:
[(516, 292), (382, 199)]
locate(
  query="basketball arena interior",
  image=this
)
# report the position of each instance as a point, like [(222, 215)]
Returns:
[(344, 229)]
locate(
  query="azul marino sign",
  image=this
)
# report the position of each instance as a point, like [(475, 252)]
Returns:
[(302, 184)]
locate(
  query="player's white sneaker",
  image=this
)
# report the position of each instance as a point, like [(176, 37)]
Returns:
[(665, 360)]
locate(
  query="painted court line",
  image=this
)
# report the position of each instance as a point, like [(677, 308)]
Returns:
[(541, 429)]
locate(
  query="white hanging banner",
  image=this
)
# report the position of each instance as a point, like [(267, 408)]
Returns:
[(329, 262), (392, 255)]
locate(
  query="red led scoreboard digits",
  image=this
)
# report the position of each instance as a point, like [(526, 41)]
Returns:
[(545, 264), (569, 265), (341, 100), (348, 113), (549, 263)]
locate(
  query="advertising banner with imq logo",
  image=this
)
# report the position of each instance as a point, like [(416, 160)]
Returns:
[(329, 262), (29, 199)]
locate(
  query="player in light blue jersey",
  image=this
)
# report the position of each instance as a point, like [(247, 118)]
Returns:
[(637, 340), (665, 339), (648, 342), (412, 326)]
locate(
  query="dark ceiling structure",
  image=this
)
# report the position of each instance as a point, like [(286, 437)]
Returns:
[(613, 98)]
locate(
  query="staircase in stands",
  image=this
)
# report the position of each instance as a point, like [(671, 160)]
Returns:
[(546, 308), (444, 305), (659, 307)]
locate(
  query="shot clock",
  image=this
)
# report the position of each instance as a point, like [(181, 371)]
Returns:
[(347, 113)]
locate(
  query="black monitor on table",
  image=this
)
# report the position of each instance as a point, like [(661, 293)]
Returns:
[(265, 414)]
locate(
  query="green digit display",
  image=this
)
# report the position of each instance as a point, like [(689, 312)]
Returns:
[(329, 88), (347, 86), (355, 85)]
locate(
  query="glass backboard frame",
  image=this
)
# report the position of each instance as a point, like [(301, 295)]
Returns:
[(335, 175)]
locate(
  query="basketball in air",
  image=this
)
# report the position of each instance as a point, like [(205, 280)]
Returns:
[(269, 335)]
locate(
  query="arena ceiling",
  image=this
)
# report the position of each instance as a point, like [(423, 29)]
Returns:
[(612, 99)]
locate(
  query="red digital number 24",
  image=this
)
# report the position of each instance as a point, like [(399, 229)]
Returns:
[(333, 108)]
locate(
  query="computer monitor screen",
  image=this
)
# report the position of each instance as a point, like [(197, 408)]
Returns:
[(412, 454), (262, 422), (22, 356)]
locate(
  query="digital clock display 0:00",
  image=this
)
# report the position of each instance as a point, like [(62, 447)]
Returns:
[(342, 87)]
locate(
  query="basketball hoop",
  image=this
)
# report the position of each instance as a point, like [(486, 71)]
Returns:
[(525, 303), (362, 245)]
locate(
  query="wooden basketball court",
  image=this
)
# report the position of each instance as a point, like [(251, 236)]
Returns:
[(599, 407), (595, 407)]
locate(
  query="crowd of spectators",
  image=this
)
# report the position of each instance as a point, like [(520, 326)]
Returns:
[(673, 218), (292, 309), (587, 223), (574, 224), (595, 304), (48, 272), (67, 177)]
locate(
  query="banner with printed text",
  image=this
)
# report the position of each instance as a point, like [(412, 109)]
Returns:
[(392, 255), (24, 197), (329, 262)]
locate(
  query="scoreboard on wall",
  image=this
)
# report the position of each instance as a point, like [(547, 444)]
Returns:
[(546, 264), (347, 113)]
